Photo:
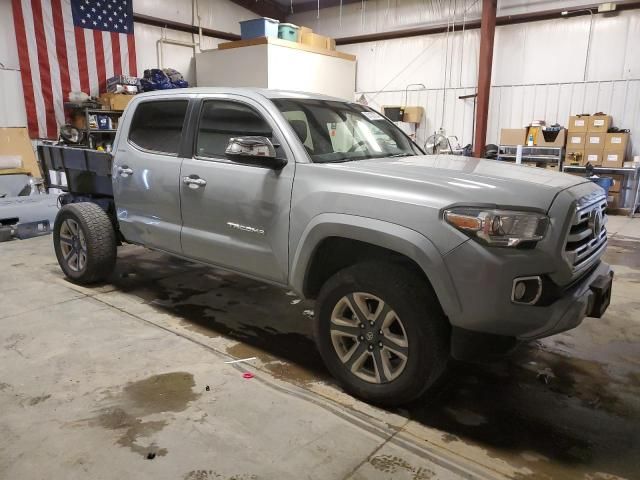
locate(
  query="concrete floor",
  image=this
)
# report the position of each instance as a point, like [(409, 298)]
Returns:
[(93, 380)]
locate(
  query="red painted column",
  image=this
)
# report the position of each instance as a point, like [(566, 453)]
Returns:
[(485, 62)]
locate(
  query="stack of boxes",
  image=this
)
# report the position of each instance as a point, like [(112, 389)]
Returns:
[(590, 142)]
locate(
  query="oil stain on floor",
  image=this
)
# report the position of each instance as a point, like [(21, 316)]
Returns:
[(157, 395)]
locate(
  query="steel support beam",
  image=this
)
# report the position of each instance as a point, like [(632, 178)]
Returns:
[(485, 62), (183, 27), (475, 23)]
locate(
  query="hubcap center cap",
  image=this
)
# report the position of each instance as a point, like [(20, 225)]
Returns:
[(369, 336)]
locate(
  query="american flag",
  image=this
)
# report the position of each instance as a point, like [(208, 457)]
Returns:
[(69, 46)]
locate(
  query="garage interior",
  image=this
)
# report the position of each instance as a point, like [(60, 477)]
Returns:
[(172, 369)]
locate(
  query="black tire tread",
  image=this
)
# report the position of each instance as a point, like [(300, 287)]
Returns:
[(100, 238)]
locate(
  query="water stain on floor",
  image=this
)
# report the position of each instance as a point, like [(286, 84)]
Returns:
[(167, 392), (159, 394), (131, 430)]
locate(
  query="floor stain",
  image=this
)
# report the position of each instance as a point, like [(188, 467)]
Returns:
[(132, 429), (167, 392), (158, 394), (36, 400), (393, 464), (213, 475)]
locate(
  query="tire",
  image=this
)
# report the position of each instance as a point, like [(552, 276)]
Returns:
[(413, 319), (85, 242)]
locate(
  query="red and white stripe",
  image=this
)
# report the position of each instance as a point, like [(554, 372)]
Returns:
[(57, 58)]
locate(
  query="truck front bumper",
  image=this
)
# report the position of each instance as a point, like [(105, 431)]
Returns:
[(484, 287)]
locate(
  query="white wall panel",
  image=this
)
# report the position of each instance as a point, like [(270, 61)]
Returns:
[(221, 15), (538, 73), (12, 109)]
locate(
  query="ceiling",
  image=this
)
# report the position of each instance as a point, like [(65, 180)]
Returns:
[(281, 8)]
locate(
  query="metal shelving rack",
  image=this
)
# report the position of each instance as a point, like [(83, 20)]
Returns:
[(633, 188), (94, 109), (537, 155)]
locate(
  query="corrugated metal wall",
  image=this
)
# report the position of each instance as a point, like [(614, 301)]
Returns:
[(538, 69)]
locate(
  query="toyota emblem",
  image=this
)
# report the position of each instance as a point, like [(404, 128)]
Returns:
[(595, 222), (369, 336)]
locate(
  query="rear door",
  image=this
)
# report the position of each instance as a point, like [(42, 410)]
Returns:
[(146, 173), (237, 215)]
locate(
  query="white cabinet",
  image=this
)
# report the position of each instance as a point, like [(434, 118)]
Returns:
[(278, 64)]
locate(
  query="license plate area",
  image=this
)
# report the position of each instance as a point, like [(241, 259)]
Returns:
[(601, 288)]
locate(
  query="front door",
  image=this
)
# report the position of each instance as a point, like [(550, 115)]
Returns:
[(236, 215), (146, 173)]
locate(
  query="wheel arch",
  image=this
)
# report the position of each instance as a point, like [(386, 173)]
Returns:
[(367, 239)]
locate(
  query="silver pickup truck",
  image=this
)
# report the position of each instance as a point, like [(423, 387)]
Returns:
[(411, 259)]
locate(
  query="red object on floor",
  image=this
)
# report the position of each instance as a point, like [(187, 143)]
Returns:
[(247, 375)]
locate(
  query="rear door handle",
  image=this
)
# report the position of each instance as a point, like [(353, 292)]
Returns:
[(124, 171), (194, 181)]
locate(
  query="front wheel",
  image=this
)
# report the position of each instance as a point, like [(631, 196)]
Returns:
[(381, 333), (85, 242)]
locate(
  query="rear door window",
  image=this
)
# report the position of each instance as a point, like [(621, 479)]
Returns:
[(157, 125)]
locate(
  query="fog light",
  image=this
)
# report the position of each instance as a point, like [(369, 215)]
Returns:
[(526, 290)]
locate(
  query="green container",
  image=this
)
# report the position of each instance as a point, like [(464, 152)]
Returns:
[(288, 31)]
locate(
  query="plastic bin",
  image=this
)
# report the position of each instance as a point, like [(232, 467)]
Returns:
[(604, 182), (288, 31), (259, 27)]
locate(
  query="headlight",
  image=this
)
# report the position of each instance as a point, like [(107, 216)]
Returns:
[(499, 228)]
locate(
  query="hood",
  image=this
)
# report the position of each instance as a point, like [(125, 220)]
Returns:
[(449, 179)]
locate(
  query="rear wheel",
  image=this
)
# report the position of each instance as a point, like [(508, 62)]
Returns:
[(85, 242), (381, 333)]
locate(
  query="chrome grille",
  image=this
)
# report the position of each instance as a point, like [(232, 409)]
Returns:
[(587, 236)]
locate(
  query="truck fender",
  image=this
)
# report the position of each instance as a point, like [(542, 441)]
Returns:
[(397, 238)]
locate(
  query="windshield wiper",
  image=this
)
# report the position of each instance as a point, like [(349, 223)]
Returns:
[(402, 155)]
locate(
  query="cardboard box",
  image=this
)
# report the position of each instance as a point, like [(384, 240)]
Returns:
[(551, 139), (592, 156), (412, 114), (612, 159), (594, 141), (613, 200), (618, 181), (599, 123), (578, 123), (16, 142), (313, 40), (616, 141), (576, 139), (513, 136), (574, 156), (114, 101)]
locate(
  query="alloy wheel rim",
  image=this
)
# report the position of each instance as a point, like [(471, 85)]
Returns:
[(73, 245), (369, 338)]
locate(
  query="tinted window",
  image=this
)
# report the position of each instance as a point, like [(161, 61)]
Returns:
[(157, 126), (221, 120)]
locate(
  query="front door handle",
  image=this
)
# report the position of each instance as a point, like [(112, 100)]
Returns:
[(194, 181), (124, 171)]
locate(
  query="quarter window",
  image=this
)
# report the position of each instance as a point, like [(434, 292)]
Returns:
[(157, 125), (221, 120)]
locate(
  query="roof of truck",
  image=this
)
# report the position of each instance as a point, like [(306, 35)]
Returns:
[(254, 93)]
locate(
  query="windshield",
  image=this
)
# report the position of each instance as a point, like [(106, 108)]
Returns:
[(341, 132)]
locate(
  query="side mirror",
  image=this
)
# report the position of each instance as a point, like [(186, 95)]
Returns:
[(254, 150)]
